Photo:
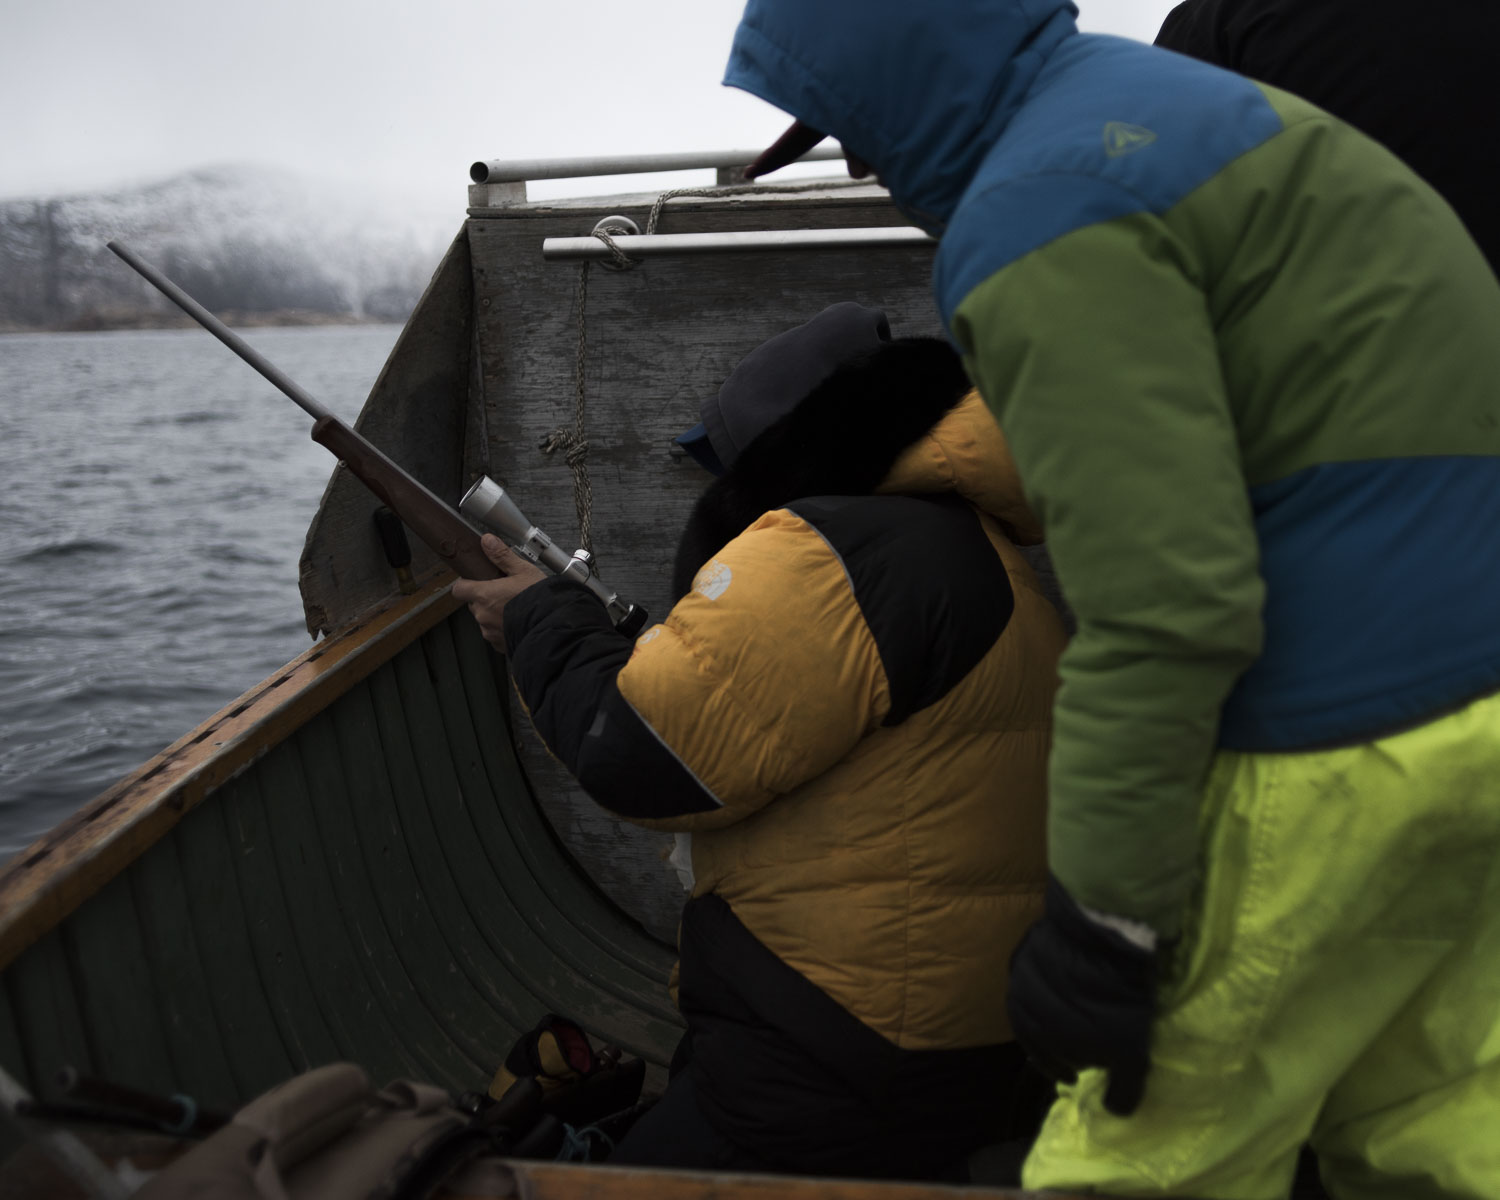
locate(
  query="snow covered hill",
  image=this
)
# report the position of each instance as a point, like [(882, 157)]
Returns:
[(253, 243)]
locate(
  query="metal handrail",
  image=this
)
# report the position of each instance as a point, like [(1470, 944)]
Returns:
[(659, 245), (524, 169)]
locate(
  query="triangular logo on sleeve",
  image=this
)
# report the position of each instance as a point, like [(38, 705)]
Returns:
[(1121, 139)]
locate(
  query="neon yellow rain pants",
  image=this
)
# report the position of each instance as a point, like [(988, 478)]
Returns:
[(1338, 982)]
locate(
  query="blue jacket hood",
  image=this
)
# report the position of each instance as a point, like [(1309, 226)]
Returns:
[(920, 91)]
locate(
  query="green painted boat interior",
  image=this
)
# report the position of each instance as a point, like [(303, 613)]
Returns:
[(380, 887)]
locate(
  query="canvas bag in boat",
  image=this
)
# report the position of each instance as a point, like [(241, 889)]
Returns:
[(329, 1134)]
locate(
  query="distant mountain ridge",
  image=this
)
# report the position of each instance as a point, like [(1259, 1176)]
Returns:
[(255, 244)]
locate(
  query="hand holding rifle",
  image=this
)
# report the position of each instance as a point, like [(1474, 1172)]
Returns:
[(487, 598)]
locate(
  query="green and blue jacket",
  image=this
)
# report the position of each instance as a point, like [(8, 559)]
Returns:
[(1249, 368)]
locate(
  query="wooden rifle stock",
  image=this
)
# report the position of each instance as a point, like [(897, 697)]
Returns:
[(444, 531)]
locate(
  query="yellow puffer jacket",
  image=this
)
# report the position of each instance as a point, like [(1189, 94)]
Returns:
[(848, 710), (844, 683)]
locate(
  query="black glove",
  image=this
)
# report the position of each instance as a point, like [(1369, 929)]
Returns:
[(1083, 995)]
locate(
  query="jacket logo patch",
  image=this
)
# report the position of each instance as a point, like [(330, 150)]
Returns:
[(713, 579), (649, 636), (1121, 139)]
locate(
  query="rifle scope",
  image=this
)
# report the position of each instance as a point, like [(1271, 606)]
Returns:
[(487, 503)]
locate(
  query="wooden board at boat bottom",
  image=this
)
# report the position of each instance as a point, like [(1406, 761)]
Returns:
[(27, 1173)]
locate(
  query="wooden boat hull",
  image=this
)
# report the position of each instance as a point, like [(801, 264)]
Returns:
[(370, 857), (375, 883), (367, 856)]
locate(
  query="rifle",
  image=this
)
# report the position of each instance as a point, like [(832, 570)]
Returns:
[(443, 530)]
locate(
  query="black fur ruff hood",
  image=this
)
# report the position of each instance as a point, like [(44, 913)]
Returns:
[(844, 439)]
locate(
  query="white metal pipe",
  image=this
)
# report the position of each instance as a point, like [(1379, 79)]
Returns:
[(661, 245), (521, 170)]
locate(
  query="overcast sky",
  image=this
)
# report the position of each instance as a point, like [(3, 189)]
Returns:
[(399, 96)]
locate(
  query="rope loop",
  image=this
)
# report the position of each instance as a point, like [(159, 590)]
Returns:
[(618, 259)]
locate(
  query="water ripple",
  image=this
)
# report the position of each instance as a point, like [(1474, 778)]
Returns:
[(199, 417), (69, 549), (150, 543)]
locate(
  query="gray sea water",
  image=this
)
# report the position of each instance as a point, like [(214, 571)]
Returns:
[(154, 494)]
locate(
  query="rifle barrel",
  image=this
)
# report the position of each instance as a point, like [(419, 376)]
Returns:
[(220, 330), (427, 515)]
